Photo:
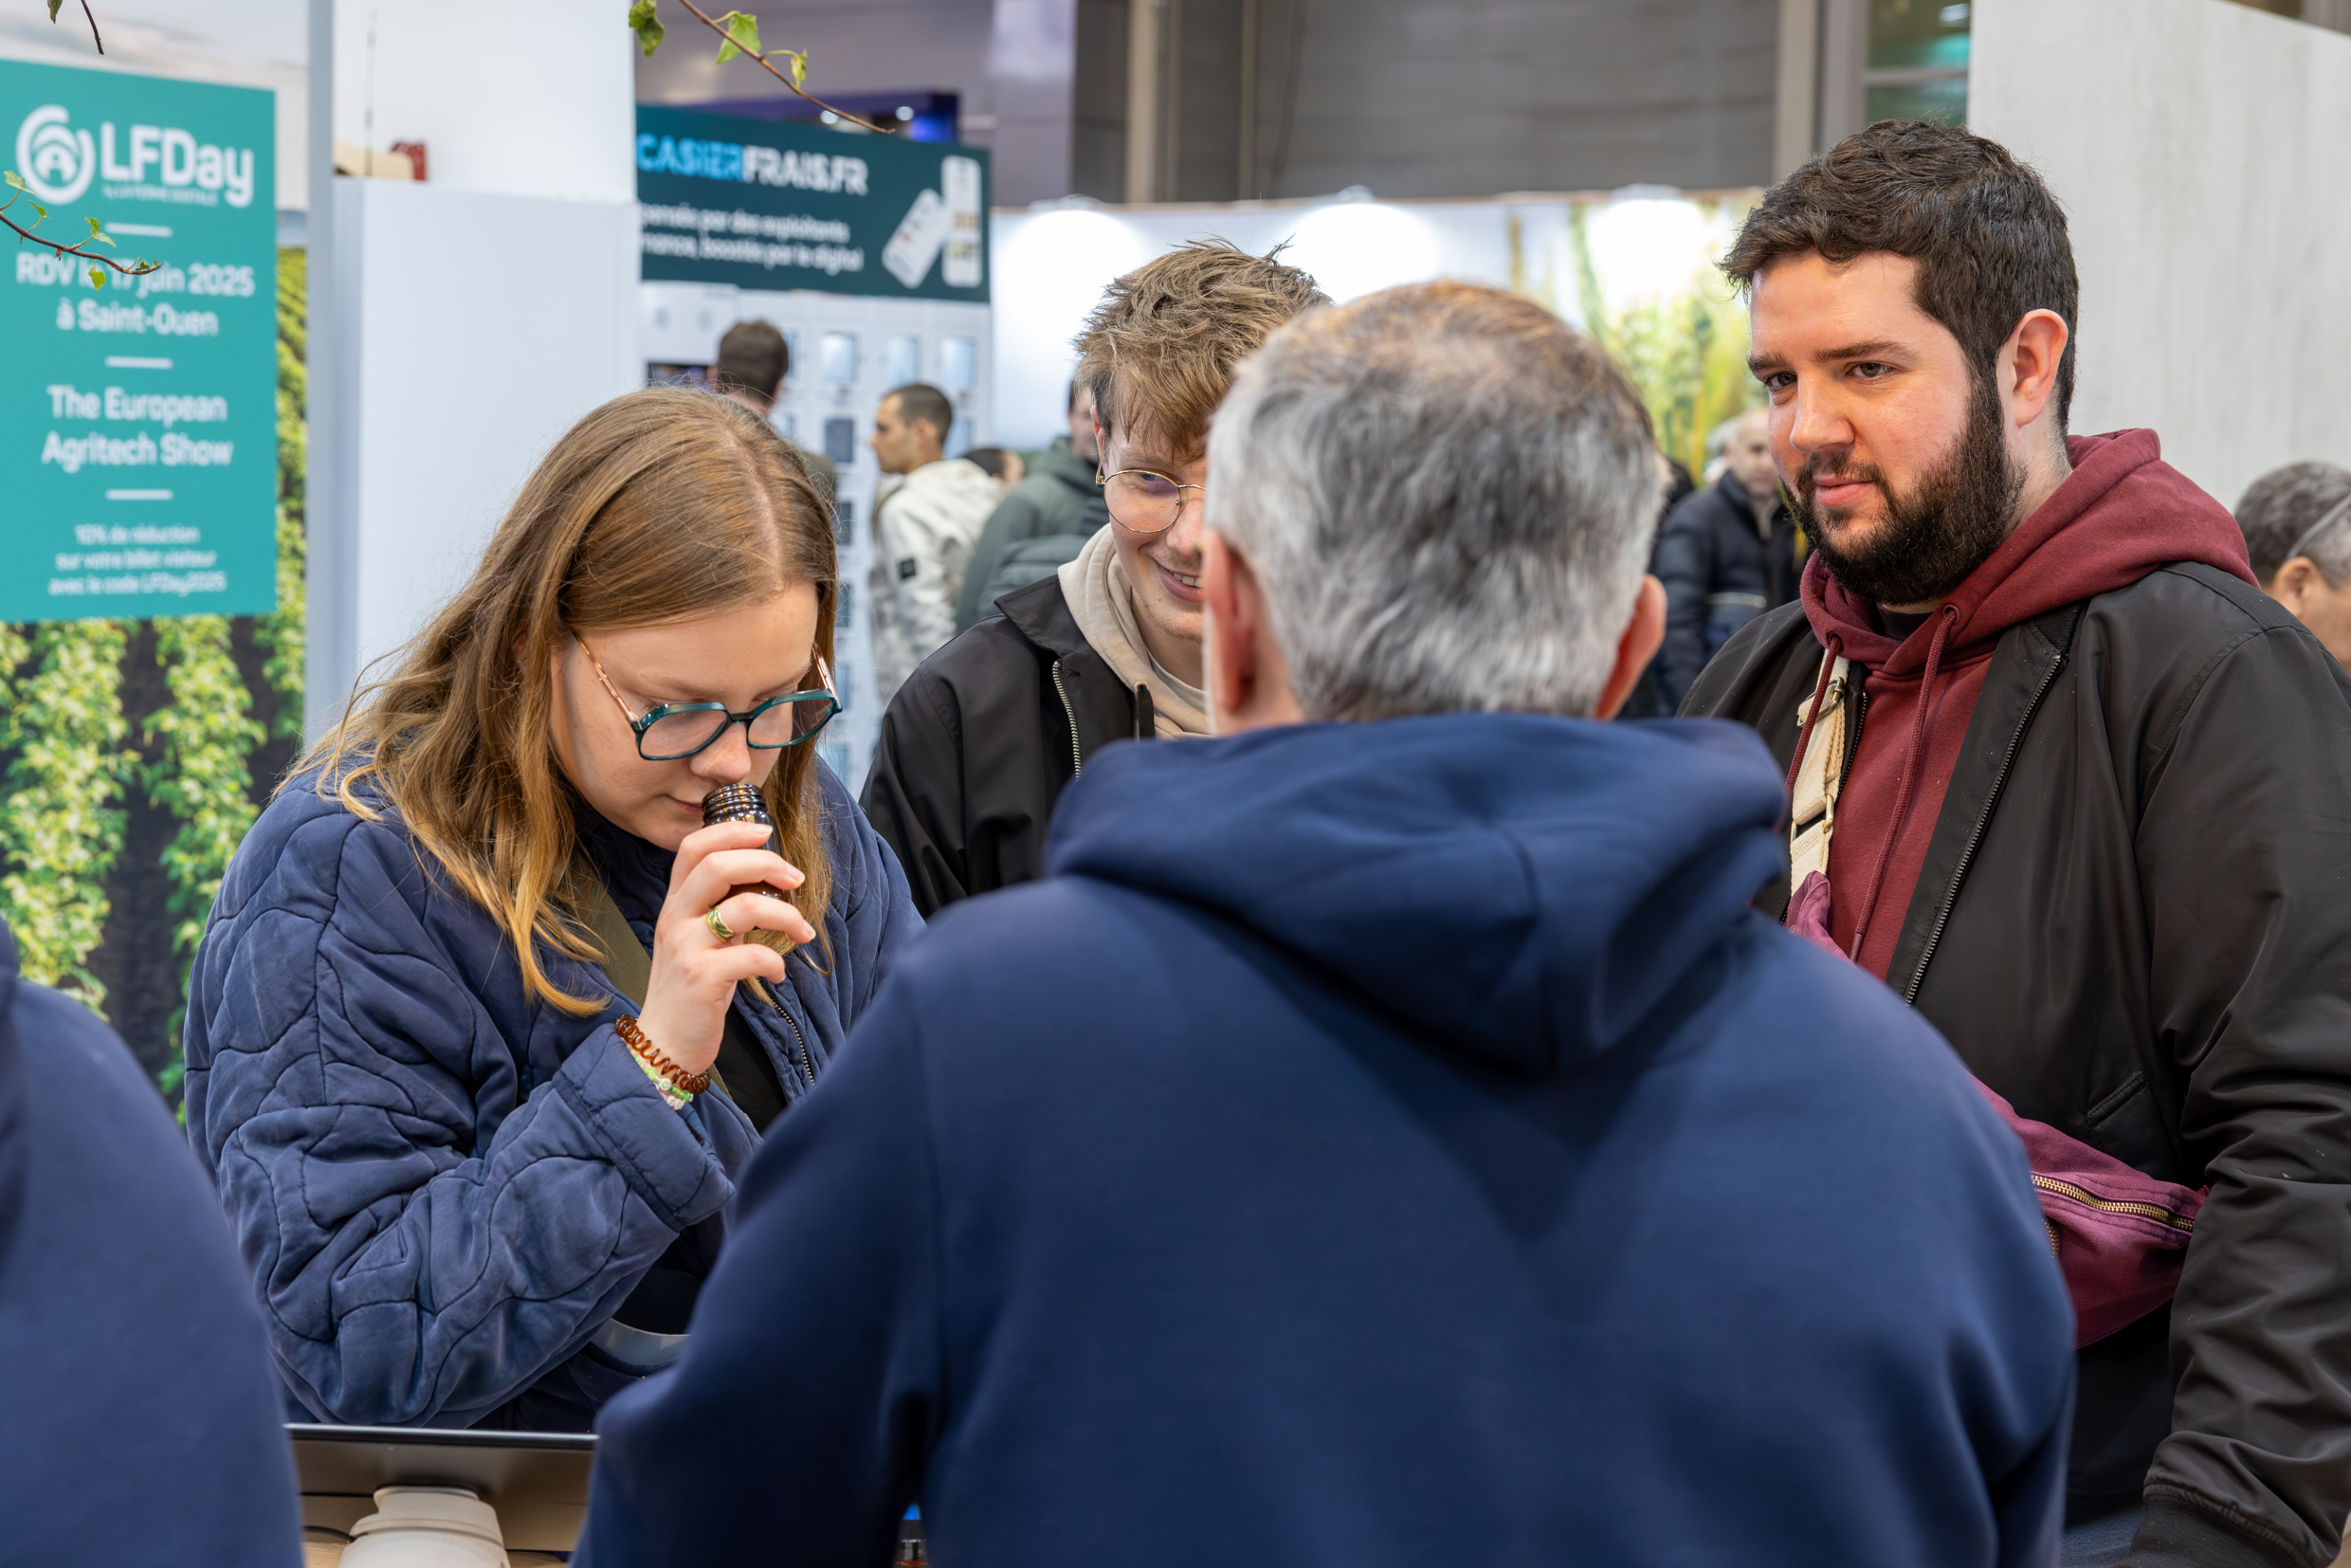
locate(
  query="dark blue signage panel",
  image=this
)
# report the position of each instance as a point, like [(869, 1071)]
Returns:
[(773, 205)]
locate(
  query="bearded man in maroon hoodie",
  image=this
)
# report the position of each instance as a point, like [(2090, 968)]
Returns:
[(2088, 807)]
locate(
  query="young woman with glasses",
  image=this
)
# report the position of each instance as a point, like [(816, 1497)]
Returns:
[(486, 1022)]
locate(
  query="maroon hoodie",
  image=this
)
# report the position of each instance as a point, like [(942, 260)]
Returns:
[(2121, 514)]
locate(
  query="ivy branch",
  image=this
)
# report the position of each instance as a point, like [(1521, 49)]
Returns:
[(55, 5), (98, 236), (739, 34)]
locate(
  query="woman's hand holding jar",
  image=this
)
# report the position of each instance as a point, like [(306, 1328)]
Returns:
[(695, 969)]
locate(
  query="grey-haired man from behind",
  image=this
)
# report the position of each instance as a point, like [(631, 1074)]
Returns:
[(1386, 1134)]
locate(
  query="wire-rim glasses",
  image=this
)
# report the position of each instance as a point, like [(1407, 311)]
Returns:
[(667, 732), (1143, 500)]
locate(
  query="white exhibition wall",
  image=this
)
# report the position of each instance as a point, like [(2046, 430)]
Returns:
[(1051, 262), (532, 98), (455, 384), (2203, 152), (470, 318)]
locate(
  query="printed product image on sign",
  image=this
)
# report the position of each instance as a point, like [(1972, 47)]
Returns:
[(917, 244), (140, 436), (774, 205), (959, 179)]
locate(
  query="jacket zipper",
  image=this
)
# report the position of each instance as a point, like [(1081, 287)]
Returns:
[(1853, 743), (1077, 761), (808, 1063), (1983, 820), (2111, 1206)]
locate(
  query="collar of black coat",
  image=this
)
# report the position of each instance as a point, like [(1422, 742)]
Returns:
[(1041, 614), (1734, 495)]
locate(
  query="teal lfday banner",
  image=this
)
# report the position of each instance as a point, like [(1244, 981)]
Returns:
[(773, 205), (139, 420)]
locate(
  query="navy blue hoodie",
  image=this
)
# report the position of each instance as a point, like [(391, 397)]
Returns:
[(1376, 1145), (138, 1417)]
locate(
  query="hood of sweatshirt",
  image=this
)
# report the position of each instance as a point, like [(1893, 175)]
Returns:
[(2120, 513), (1523, 889)]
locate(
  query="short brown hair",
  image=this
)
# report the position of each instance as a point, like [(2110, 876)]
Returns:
[(919, 400), (1160, 347), (753, 357), (1989, 237)]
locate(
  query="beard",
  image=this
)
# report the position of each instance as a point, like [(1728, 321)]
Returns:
[(1931, 538)]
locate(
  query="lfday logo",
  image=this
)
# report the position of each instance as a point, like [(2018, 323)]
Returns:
[(56, 162), (166, 164)]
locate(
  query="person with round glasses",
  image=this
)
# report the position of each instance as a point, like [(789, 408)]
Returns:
[(486, 1022), (978, 744)]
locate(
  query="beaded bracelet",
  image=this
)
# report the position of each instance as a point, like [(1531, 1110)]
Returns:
[(677, 1098), (692, 1082)]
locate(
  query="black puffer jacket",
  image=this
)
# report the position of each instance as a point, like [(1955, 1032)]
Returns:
[(978, 742), (2133, 921), (1720, 572)]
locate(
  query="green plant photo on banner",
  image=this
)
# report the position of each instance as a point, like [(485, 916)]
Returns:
[(137, 753), (1684, 345)]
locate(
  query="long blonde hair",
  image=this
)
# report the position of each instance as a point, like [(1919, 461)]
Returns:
[(662, 505)]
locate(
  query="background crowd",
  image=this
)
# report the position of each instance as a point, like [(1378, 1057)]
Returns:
[(1387, 1124)]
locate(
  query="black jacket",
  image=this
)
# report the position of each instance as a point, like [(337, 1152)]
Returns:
[(1719, 573), (2133, 922), (978, 742)]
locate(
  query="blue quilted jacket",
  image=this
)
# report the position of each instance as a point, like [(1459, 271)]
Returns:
[(443, 1188)]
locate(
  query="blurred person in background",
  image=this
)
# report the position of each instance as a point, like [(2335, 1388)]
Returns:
[(2072, 786), (1045, 521), (1001, 463), (140, 1426), (923, 530), (2297, 523), (1725, 554), (755, 358), (980, 744), (485, 1021), (1387, 1135), (1649, 699), (1718, 457)]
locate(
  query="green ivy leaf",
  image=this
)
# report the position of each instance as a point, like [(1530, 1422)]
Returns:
[(646, 27), (742, 34), (37, 207), (98, 277), (15, 182), (97, 234), (54, 5), (799, 67)]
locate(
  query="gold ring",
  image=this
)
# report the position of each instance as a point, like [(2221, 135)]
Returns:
[(718, 927)]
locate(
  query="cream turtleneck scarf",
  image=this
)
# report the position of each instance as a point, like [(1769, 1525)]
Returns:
[(1103, 602)]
